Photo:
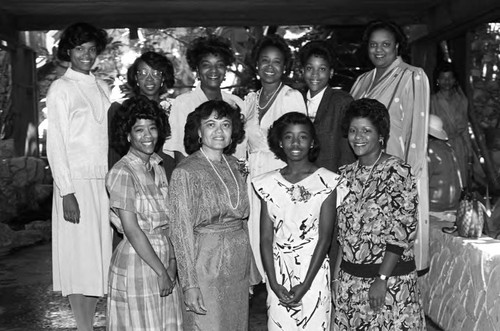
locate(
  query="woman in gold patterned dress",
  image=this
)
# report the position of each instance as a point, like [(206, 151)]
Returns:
[(209, 212)]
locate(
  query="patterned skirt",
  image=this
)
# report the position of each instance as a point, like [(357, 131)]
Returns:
[(134, 301), (402, 311)]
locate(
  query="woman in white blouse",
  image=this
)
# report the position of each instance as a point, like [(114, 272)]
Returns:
[(77, 146)]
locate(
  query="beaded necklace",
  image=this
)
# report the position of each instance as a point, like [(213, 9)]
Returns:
[(369, 175), (222, 181), (270, 99)]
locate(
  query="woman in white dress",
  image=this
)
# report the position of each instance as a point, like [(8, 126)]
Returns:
[(272, 59), (298, 215), (77, 145)]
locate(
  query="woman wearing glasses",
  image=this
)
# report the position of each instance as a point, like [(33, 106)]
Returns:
[(150, 75)]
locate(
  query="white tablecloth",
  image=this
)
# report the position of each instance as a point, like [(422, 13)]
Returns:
[(462, 289)]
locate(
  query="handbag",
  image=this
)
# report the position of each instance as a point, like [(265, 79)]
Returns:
[(470, 215)]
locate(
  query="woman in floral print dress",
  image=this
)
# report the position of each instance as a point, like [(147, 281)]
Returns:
[(297, 218), (375, 278)]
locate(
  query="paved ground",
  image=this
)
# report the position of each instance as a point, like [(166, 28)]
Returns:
[(27, 302)]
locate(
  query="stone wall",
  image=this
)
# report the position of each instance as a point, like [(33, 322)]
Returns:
[(25, 190)]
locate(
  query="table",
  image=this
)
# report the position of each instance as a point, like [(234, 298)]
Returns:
[(462, 289)]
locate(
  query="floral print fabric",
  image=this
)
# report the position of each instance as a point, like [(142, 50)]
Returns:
[(380, 209), (294, 210)]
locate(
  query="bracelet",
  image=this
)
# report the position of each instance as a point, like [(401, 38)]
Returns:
[(335, 280)]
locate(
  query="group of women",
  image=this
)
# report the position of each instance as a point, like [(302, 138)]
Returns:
[(326, 208)]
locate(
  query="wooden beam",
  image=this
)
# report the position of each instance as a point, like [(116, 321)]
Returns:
[(454, 17)]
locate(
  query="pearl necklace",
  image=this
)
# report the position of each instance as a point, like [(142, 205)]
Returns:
[(369, 175), (270, 99), (222, 181)]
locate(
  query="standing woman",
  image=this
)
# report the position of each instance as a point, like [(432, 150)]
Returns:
[(150, 75), (209, 211), (404, 90), (209, 57), (297, 221), (272, 58), (451, 105), (143, 294), (77, 140), (325, 106), (375, 281)]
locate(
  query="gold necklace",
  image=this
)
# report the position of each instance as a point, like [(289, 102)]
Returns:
[(270, 99), (222, 181), (369, 175)]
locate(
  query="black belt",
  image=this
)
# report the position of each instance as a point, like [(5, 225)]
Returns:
[(371, 270)]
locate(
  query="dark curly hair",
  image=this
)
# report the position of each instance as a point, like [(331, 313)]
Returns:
[(276, 41), (371, 109), (389, 26), (157, 62), (320, 49), (445, 67), (133, 109), (276, 131), (203, 46), (78, 34), (203, 111)]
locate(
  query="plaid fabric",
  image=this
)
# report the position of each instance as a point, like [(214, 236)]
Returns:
[(134, 302)]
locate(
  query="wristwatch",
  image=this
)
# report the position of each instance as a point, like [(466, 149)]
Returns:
[(383, 277)]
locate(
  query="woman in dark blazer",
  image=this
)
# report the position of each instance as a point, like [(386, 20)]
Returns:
[(325, 106)]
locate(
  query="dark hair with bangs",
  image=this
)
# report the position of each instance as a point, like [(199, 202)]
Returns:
[(389, 26), (203, 46), (276, 131), (276, 41), (320, 49), (133, 109), (78, 34), (157, 62), (371, 109), (222, 109)]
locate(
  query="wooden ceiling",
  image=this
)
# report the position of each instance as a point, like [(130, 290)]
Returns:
[(23, 15)]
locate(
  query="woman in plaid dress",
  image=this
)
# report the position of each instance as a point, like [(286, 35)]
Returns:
[(143, 294)]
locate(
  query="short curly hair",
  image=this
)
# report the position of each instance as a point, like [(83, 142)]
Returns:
[(157, 62), (389, 26), (212, 44), (276, 41), (276, 131), (203, 111), (78, 34), (133, 109), (320, 49), (374, 111)]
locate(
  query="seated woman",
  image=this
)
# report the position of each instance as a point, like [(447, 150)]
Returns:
[(445, 177), (209, 207), (375, 279), (297, 221), (143, 294)]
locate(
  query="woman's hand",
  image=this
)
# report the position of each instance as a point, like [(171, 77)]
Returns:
[(194, 301), (165, 284), (296, 293), (376, 294), (71, 210), (282, 293)]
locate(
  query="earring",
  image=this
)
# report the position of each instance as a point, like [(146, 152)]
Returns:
[(381, 141), (281, 145)]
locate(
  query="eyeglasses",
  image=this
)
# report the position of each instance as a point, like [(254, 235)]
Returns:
[(144, 73)]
